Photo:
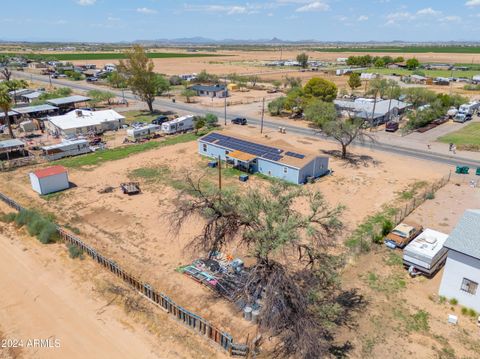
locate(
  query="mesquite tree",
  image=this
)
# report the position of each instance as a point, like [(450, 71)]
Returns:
[(295, 276)]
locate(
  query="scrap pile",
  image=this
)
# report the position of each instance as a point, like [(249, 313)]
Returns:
[(219, 272)]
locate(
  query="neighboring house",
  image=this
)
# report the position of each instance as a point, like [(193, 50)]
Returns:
[(68, 102), (49, 180), (462, 271), (32, 96), (82, 122), (363, 108), (219, 91), (253, 156)]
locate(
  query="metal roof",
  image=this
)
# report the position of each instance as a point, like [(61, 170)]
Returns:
[(50, 171), (33, 109), (68, 100), (465, 237), (11, 144), (84, 118), (213, 88)]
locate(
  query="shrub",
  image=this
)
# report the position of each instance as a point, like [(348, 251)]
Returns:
[(419, 321), (8, 218), (430, 195), (75, 252), (23, 217), (48, 234), (472, 313), (442, 299), (464, 311), (453, 301), (35, 226)]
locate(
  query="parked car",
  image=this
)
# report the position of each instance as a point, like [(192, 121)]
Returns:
[(92, 79), (402, 234), (239, 121), (160, 119), (391, 126)]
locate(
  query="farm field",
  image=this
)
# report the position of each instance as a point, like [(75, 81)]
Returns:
[(406, 49), (430, 73), (468, 135), (105, 55)]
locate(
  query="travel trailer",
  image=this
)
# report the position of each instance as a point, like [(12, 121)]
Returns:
[(66, 148), (181, 124)]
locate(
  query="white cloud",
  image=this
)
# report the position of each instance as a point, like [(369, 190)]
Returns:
[(362, 18), (451, 18), (313, 6), (395, 17), (146, 10), (248, 8), (428, 11), (86, 2), (473, 3)]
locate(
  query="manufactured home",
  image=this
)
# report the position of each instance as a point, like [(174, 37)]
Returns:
[(82, 122), (426, 253), (65, 149), (138, 133), (181, 124), (255, 157), (461, 275), (218, 91)]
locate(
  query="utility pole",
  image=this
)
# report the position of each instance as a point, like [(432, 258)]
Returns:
[(225, 101), (219, 165), (263, 113)]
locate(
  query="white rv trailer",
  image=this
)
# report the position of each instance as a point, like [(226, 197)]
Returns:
[(181, 124), (66, 148), (143, 132), (426, 252), (466, 111)]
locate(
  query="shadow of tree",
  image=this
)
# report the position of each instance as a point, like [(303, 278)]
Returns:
[(353, 160)]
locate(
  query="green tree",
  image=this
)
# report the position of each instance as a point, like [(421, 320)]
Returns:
[(253, 79), (175, 80), (354, 81), (205, 77), (117, 80), (301, 303), (15, 85), (276, 84), (320, 112), (6, 106), (199, 124), (418, 96), (188, 94), (295, 100), (276, 106), (162, 84), (142, 80), (101, 96), (292, 82), (412, 63), (321, 89), (6, 73), (379, 63), (302, 59), (211, 120), (398, 59)]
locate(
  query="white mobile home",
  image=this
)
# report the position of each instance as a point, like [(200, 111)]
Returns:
[(143, 132), (462, 271), (82, 122), (65, 149), (49, 180), (181, 124), (426, 252)]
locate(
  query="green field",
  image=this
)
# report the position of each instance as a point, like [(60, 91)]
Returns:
[(428, 73), (467, 136), (407, 49), (104, 56)]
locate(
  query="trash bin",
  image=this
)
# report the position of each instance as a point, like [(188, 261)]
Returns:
[(243, 178)]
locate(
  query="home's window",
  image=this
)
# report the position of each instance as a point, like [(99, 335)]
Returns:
[(285, 169), (204, 147), (469, 286)]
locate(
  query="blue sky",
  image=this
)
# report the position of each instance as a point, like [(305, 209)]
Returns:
[(324, 20)]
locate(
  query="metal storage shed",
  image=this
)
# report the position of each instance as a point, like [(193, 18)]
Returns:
[(49, 180)]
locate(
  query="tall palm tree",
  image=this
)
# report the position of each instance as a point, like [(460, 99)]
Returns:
[(377, 87), (393, 92), (6, 106)]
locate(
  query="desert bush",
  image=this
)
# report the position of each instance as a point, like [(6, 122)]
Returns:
[(453, 301), (74, 252), (8, 217)]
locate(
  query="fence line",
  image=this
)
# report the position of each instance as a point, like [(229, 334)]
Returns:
[(193, 321), (18, 162), (416, 201)]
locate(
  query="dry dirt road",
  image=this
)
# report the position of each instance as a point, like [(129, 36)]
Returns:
[(39, 300)]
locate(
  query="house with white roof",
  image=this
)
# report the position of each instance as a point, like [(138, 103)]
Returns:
[(462, 271), (82, 122)]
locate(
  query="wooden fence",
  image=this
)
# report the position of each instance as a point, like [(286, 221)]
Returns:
[(418, 199), (18, 162), (191, 320)]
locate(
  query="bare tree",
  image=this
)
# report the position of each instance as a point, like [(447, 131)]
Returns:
[(294, 278), (6, 73)]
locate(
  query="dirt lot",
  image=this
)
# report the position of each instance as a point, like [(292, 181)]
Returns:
[(394, 323), (46, 295)]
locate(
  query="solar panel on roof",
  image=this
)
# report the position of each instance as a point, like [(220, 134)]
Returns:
[(294, 154)]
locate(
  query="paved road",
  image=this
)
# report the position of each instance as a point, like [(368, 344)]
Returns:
[(452, 160)]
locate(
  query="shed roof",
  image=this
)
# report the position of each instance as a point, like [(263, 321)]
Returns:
[(213, 88), (68, 100), (50, 171), (8, 144), (33, 95), (33, 109), (465, 237)]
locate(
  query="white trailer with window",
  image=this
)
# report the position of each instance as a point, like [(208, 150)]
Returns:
[(181, 124), (426, 253), (66, 148), (138, 133)]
